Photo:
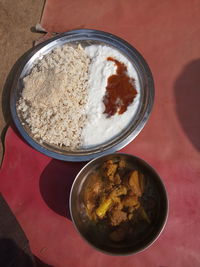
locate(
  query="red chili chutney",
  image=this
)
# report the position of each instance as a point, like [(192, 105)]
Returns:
[(120, 90)]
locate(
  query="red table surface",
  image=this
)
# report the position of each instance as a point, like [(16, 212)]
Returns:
[(36, 187)]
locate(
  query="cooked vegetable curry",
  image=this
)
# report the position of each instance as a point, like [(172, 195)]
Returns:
[(113, 197)]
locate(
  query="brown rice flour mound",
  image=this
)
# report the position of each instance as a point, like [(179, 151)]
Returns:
[(55, 95)]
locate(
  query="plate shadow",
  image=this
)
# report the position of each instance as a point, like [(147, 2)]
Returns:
[(187, 96), (55, 184)]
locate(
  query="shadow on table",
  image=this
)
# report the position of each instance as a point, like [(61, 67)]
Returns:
[(187, 96), (3, 137), (39, 263), (55, 184), (11, 255)]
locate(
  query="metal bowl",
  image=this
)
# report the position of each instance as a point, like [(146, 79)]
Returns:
[(87, 37), (144, 237)]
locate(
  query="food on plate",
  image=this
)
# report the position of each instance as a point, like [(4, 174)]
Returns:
[(120, 90), (115, 197), (54, 97), (101, 126), (79, 97)]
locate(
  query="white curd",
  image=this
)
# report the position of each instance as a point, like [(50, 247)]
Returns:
[(99, 128)]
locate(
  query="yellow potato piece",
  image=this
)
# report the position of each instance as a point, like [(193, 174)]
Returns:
[(144, 214), (142, 182), (135, 183), (103, 207)]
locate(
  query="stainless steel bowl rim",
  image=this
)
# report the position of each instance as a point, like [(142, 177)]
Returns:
[(164, 190), (78, 35)]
